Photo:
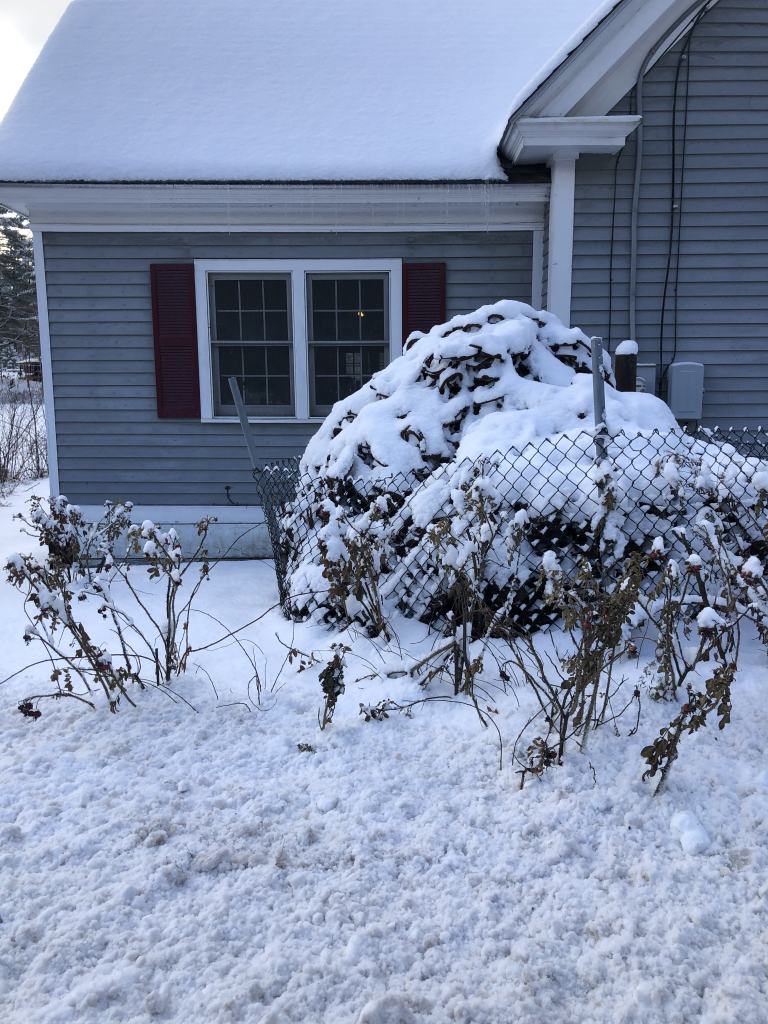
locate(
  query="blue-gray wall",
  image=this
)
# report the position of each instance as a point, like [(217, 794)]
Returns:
[(722, 303), (110, 442)]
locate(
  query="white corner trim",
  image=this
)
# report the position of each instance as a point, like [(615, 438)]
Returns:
[(543, 139), (45, 358), (298, 270), (560, 261), (537, 269)]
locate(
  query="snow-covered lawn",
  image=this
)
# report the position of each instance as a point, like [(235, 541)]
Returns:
[(191, 865)]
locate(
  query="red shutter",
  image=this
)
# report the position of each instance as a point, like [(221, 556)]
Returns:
[(423, 296), (175, 322)]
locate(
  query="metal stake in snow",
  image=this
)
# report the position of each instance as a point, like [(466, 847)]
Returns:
[(252, 451), (598, 389)]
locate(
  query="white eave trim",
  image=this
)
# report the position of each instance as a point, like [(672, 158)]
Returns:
[(493, 206), (605, 65), (547, 139)]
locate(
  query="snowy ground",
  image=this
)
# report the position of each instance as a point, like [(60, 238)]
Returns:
[(193, 866)]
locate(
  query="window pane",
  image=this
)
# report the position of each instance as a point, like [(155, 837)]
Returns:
[(372, 294), (226, 294), (323, 295), (348, 386), (230, 360), (255, 391), (250, 295), (253, 359), (325, 359), (276, 326), (276, 295), (372, 326), (348, 294), (278, 361), (324, 326), (253, 326), (373, 360), (349, 326), (279, 390), (228, 326), (326, 391)]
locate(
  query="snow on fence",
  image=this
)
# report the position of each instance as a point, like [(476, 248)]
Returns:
[(401, 533)]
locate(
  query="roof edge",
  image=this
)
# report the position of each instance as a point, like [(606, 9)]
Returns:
[(596, 73)]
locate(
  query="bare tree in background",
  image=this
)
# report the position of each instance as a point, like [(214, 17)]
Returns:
[(22, 419), (19, 335)]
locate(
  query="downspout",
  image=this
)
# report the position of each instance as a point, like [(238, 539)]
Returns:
[(698, 5)]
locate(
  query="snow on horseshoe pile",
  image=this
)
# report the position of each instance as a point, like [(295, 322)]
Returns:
[(460, 397), (504, 375)]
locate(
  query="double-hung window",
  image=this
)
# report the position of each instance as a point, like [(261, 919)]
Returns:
[(297, 335)]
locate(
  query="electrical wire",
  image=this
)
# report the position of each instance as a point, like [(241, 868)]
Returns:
[(696, 8), (676, 208)]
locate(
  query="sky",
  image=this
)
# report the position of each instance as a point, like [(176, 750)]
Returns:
[(24, 27)]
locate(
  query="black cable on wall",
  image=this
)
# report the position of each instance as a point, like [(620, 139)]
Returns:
[(672, 269)]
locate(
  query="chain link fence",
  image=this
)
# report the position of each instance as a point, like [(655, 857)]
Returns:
[(560, 491)]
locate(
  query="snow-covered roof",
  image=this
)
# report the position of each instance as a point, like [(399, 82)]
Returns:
[(133, 90)]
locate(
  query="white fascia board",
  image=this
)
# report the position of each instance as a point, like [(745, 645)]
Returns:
[(545, 139), (605, 66), (494, 206)]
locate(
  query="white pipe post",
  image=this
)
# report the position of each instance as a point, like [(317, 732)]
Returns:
[(244, 425), (560, 256)]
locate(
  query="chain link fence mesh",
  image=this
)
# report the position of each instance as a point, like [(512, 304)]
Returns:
[(651, 485)]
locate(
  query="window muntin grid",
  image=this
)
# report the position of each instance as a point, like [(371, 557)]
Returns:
[(250, 309), (256, 312)]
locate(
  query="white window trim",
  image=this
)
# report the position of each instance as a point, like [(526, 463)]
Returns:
[(298, 271)]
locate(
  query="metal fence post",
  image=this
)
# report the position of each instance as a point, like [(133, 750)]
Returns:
[(598, 390)]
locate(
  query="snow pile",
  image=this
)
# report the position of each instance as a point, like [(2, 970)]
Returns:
[(498, 402)]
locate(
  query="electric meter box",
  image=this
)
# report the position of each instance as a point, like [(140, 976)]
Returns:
[(685, 390)]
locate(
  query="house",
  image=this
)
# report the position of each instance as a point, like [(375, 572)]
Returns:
[(282, 191)]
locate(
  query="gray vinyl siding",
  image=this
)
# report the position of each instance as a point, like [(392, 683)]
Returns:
[(722, 316), (110, 441)]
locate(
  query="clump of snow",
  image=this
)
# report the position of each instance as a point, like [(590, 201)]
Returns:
[(708, 619), (752, 568), (486, 381), (626, 348), (691, 833)]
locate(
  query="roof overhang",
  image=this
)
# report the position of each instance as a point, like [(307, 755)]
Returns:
[(592, 79), (415, 206), (534, 140)]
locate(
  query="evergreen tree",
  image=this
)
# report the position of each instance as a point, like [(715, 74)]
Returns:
[(19, 335)]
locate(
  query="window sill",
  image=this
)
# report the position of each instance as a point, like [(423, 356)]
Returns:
[(263, 419)]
